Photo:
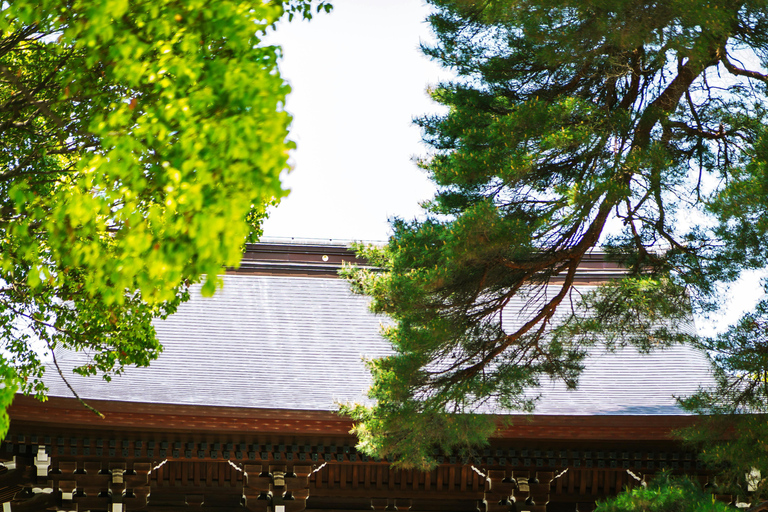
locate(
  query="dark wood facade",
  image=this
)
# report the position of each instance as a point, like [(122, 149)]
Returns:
[(59, 456)]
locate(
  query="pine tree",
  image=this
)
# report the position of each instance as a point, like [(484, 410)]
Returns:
[(630, 125)]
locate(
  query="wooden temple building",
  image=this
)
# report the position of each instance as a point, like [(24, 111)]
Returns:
[(238, 414)]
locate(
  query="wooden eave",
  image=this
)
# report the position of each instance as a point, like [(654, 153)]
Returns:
[(58, 411), (179, 456)]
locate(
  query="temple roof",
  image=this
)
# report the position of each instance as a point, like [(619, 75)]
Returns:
[(286, 334)]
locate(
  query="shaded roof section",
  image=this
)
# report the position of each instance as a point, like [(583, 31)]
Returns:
[(289, 341), (309, 258), (305, 258)]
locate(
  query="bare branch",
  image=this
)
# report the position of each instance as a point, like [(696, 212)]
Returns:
[(740, 71)]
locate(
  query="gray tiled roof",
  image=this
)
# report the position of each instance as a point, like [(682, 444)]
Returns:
[(287, 342)]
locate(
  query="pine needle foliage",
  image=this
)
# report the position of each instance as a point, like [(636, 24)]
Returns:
[(664, 494), (631, 125)]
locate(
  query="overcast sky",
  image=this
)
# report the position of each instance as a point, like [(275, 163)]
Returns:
[(358, 79)]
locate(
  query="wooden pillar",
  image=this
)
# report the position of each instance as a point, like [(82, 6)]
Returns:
[(67, 484), (498, 491), (297, 486), (382, 504), (137, 486), (277, 487), (532, 492), (403, 505), (256, 488), (92, 485)]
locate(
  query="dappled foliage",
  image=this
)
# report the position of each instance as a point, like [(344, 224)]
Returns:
[(664, 494), (139, 143), (736, 446)]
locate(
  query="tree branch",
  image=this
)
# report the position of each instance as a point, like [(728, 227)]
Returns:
[(41, 106), (61, 374), (739, 71)]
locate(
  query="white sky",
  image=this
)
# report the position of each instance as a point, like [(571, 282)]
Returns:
[(358, 79)]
